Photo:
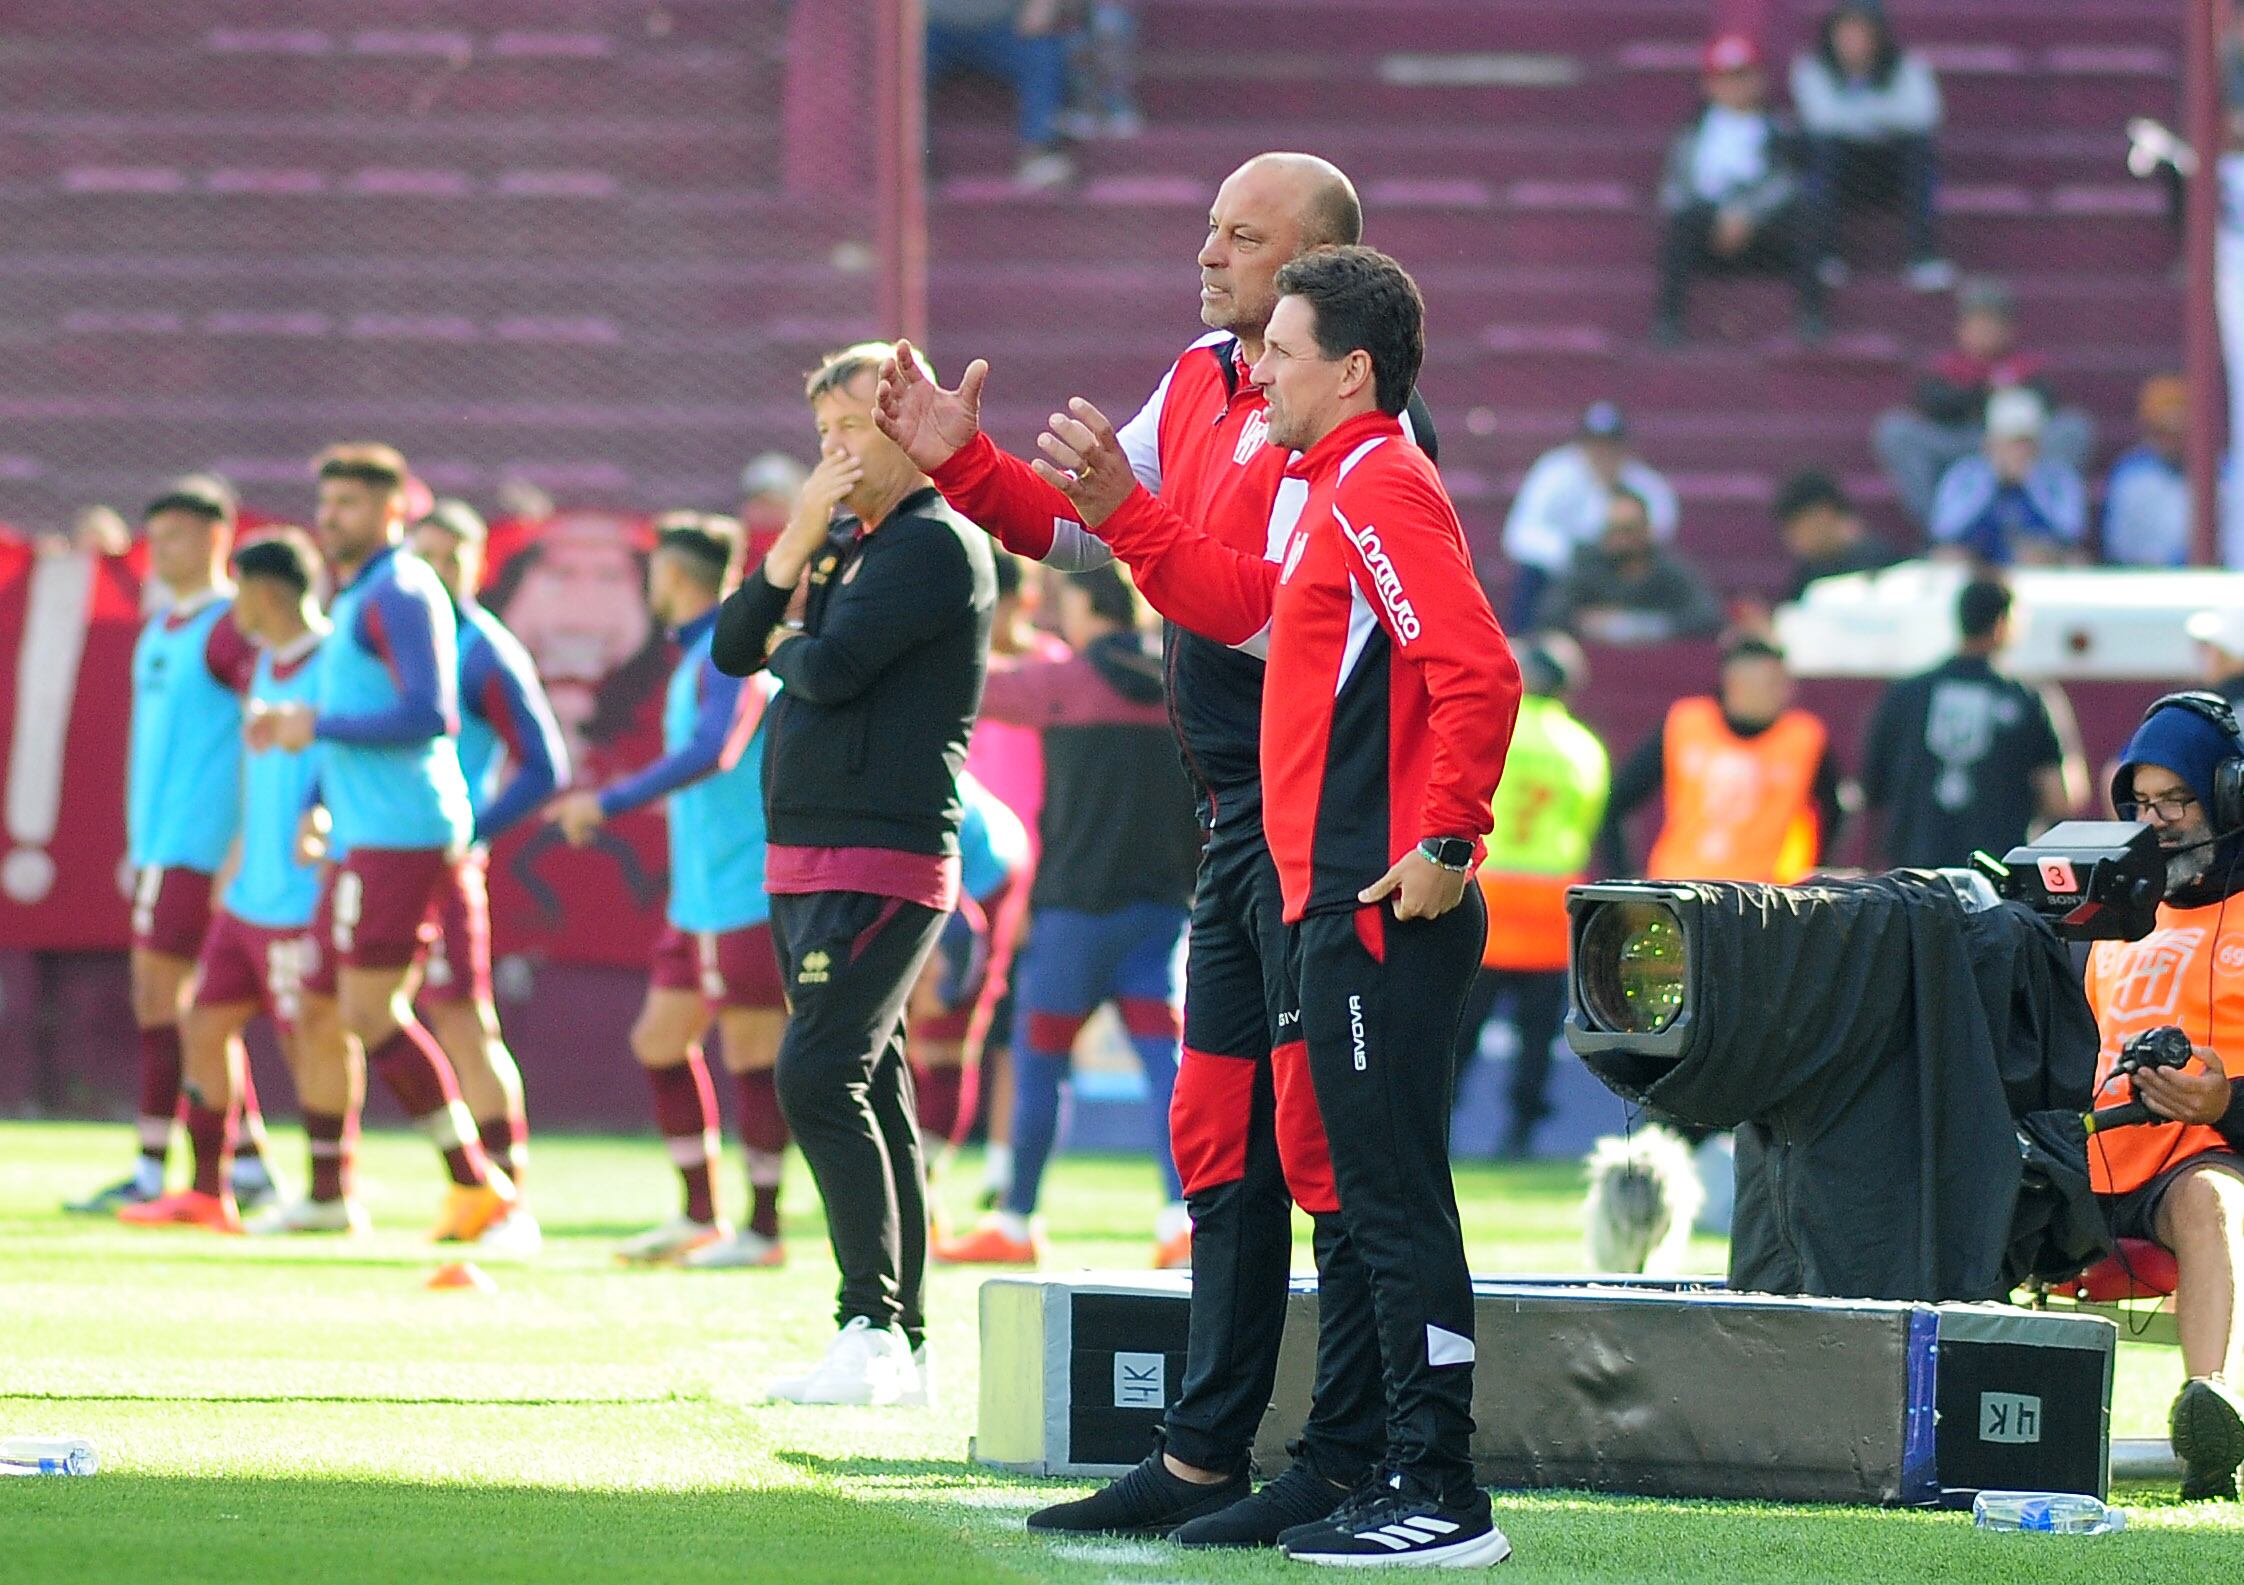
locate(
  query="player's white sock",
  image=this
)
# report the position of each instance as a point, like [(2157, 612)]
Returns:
[(1013, 1225), (997, 1168), (1174, 1219), (148, 1176)]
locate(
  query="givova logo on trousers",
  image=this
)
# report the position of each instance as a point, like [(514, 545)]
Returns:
[(1356, 1028)]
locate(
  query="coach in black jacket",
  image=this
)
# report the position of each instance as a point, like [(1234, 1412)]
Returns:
[(862, 751)]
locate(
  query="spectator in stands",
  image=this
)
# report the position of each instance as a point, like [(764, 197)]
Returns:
[(2146, 499), (1021, 42), (1870, 109), (1752, 789), (1562, 503), (1548, 808), (1917, 444), (1823, 532), (1731, 193), (2220, 651), (1627, 590), (2010, 501), (1102, 67), (1962, 758)]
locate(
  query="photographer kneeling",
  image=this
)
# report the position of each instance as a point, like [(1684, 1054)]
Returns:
[(2180, 1182)]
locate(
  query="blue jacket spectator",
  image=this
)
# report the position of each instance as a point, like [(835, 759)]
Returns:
[(2009, 503), (2146, 501)]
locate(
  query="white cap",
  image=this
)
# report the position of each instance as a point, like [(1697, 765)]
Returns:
[(2221, 627), (2014, 413)]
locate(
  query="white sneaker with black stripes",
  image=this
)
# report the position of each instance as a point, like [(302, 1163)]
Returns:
[(1404, 1526)]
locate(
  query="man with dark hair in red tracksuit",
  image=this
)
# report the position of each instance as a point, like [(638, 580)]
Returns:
[(1389, 708), (1244, 1122)]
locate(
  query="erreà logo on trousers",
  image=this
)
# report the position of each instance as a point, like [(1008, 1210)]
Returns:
[(1383, 576)]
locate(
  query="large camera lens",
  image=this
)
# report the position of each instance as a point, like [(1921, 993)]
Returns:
[(1631, 968)]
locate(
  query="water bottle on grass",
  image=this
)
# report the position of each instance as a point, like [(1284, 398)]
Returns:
[(2045, 1513), (47, 1455)]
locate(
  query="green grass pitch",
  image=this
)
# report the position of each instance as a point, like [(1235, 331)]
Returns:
[(307, 1412)]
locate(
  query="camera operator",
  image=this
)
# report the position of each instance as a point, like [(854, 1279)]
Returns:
[(2180, 1182)]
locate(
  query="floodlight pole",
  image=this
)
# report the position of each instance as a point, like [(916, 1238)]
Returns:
[(2201, 330), (900, 165)]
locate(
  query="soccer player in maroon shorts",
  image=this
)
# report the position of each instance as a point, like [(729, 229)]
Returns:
[(502, 706), (715, 958), (181, 806), (387, 721)]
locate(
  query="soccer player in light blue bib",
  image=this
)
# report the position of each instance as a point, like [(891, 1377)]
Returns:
[(513, 758), (183, 794), (386, 719), (715, 957), (253, 957)]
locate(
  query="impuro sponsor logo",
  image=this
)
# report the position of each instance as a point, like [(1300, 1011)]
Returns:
[(1383, 576)]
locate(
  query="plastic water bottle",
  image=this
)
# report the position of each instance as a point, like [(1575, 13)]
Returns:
[(2046, 1513), (47, 1455)]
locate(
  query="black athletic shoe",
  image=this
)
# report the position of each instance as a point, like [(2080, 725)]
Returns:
[(109, 1201), (1300, 1496), (1406, 1527), (1147, 1501), (2207, 1424)]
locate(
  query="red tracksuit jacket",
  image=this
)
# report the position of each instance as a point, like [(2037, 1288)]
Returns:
[(1391, 691)]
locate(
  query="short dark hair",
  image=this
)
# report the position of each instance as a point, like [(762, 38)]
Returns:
[(1113, 597), (1981, 607), (1810, 490), (205, 495), (285, 555), (1744, 649), (1364, 301), (365, 462), (707, 542)]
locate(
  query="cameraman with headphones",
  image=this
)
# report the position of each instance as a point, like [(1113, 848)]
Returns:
[(2180, 1182)]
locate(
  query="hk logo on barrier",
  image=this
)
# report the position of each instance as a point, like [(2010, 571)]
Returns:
[(2010, 1417), (1141, 1381), (817, 969)]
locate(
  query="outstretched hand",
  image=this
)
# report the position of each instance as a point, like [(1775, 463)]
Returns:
[(930, 423), (1084, 461)]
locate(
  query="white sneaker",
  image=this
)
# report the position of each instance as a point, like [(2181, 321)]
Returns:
[(745, 1249), (514, 1236), (673, 1241), (309, 1216), (865, 1364), (922, 1393)]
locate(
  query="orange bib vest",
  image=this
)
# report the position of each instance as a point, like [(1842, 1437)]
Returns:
[(1738, 808), (2178, 974)]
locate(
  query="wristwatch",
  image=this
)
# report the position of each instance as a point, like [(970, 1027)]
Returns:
[(1451, 853)]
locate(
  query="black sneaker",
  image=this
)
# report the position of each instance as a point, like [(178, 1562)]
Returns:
[(1405, 1527), (1147, 1501), (1298, 1497), (2207, 1424)]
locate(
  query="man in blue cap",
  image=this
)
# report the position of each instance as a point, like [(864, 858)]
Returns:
[(2179, 1182)]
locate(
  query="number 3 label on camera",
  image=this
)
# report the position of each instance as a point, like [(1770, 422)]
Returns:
[(2058, 877)]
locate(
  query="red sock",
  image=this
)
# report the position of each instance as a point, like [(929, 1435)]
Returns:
[(160, 1062), (686, 1111), (334, 1142), (506, 1141), (413, 1065), (763, 1130), (211, 1133), (939, 1090)]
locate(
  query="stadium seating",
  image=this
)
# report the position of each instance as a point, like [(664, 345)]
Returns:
[(554, 237)]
